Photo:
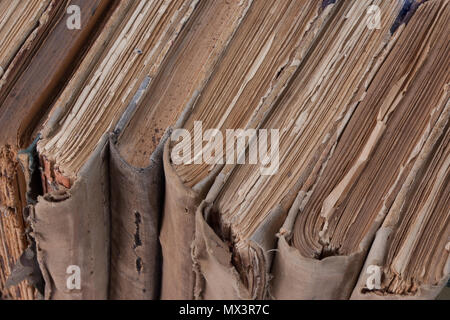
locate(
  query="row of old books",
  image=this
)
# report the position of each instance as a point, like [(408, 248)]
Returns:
[(351, 100)]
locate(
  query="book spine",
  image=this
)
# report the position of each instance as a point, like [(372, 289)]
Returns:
[(177, 235), (136, 208), (215, 276), (180, 202), (72, 233), (296, 277)]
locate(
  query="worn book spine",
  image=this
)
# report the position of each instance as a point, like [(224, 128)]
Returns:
[(180, 202), (216, 278), (296, 277), (136, 206), (24, 100), (72, 232), (177, 235), (132, 268)]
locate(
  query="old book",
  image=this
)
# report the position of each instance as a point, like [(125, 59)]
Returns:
[(243, 149), (136, 168), (260, 60), (35, 74), (74, 151), (244, 207), (410, 254), (337, 215)]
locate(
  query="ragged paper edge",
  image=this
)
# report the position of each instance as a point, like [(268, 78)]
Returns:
[(207, 242), (391, 220)]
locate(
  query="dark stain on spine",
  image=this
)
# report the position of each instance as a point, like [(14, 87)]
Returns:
[(137, 240), (137, 236), (139, 265)]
